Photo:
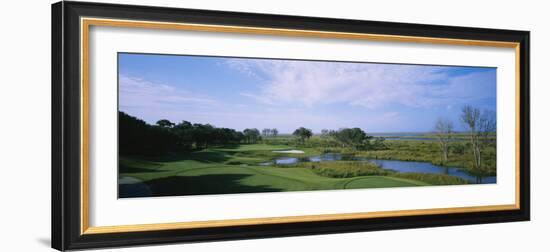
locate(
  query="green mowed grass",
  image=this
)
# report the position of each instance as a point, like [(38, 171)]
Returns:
[(235, 170), (252, 147)]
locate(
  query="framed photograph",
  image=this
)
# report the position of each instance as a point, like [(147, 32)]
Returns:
[(180, 125)]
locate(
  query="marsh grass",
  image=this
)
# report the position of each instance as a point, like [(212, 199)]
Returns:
[(432, 179), (404, 150), (350, 169), (345, 169), (428, 151)]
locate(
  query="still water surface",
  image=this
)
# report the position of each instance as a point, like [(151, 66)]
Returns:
[(395, 165)]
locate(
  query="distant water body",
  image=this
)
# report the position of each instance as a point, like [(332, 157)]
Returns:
[(399, 134), (418, 136)]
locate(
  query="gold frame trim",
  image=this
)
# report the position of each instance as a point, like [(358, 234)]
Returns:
[(85, 24)]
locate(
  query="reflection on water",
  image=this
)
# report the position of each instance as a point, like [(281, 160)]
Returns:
[(395, 165)]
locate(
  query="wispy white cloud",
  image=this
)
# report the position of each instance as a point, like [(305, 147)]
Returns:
[(317, 95), (136, 92), (368, 85), (242, 66)]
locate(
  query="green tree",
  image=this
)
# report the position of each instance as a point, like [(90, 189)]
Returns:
[(184, 132), (252, 135), (138, 137), (165, 123), (303, 134), (352, 137), (203, 135)]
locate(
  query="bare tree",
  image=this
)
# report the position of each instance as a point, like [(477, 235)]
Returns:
[(470, 117), (479, 126), (443, 130), (487, 125)]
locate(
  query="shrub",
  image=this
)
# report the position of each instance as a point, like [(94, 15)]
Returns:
[(346, 169), (432, 179)]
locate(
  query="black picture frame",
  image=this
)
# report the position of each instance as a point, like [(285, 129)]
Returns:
[(66, 114)]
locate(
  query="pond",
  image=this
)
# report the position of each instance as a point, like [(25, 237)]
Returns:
[(394, 165)]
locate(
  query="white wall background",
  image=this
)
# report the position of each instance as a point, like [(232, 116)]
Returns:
[(25, 125)]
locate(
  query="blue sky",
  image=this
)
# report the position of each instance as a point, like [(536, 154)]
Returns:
[(244, 93)]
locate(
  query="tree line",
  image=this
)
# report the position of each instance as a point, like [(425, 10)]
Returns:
[(354, 138), (138, 137), (270, 132)]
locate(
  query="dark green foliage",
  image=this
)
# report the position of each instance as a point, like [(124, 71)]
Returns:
[(356, 139), (252, 135), (458, 149), (346, 169), (303, 134), (138, 137), (327, 143), (165, 123)]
